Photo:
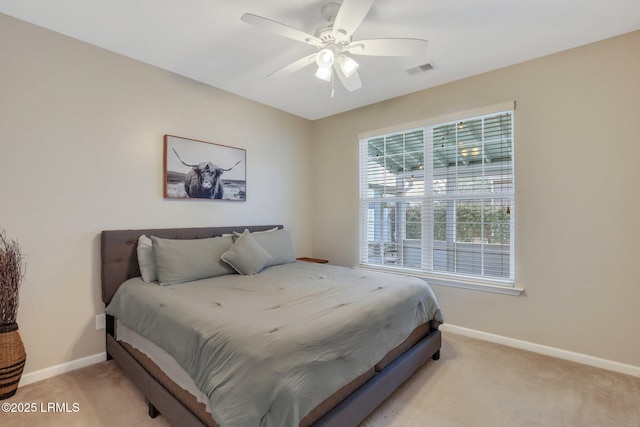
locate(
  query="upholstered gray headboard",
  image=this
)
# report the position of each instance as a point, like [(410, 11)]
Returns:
[(120, 257)]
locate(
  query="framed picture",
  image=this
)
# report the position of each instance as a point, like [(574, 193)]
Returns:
[(203, 170)]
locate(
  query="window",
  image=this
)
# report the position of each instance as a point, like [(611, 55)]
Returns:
[(438, 199)]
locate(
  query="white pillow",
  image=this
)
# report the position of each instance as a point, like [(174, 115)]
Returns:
[(246, 256), (146, 259)]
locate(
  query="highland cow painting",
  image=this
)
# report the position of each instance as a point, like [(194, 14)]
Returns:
[(202, 170)]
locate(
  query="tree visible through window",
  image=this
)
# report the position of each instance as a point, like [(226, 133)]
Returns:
[(440, 198)]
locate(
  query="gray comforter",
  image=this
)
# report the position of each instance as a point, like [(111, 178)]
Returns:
[(267, 349)]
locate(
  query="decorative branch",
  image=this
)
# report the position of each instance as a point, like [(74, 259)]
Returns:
[(12, 271)]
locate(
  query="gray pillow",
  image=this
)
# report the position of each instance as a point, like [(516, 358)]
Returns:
[(277, 243), (246, 256), (180, 261), (146, 259)]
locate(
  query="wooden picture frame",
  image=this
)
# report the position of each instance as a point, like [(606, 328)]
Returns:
[(200, 170)]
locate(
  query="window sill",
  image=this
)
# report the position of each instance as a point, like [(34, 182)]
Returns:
[(453, 282)]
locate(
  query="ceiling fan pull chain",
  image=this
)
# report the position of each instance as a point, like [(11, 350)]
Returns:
[(333, 90)]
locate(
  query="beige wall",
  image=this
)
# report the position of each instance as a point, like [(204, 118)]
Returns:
[(577, 198), (81, 141)]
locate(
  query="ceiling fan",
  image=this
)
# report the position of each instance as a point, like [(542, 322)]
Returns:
[(334, 42)]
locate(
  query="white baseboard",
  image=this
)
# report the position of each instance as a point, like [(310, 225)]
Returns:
[(543, 349), (43, 374)]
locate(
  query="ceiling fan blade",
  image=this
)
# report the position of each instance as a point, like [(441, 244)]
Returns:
[(295, 66), (350, 16), (282, 29), (388, 47), (352, 82)]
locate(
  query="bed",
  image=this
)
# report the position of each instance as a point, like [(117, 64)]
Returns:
[(345, 398)]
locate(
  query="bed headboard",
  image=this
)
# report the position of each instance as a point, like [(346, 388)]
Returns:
[(119, 259)]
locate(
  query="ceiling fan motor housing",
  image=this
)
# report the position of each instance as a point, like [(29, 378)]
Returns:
[(325, 31)]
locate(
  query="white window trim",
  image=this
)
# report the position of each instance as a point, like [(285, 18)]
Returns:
[(506, 287), (509, 105)]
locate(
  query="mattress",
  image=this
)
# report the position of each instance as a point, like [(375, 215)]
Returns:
[(162, 360), (347, 321), (167, 372)]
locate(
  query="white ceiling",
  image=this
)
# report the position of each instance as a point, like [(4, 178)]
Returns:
[(205, 40)]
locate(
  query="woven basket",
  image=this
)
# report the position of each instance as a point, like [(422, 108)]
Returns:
[(12, 359)]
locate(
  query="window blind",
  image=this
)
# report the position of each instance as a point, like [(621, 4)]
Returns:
[(439, 199)]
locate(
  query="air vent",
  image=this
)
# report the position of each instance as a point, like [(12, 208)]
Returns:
[(421, 68)]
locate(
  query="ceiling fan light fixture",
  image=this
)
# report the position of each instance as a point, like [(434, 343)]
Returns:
[(348, 65), (325, 58), (324, 74)]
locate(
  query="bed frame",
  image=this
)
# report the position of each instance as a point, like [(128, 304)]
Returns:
[(119, 263)]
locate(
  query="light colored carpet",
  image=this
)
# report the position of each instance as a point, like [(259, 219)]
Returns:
[(475, 383)]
